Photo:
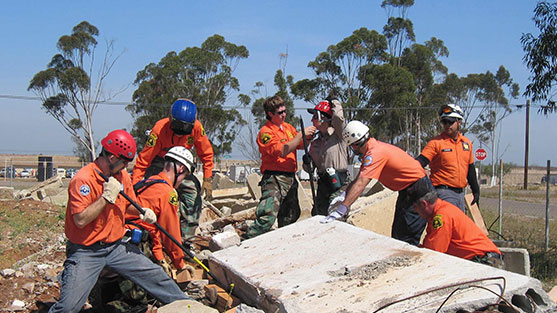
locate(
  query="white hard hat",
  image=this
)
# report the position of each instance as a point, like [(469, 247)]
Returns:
[(182, 155), (451, 110), (354, 132)]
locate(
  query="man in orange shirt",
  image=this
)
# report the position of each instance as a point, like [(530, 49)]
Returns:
[(182, 128), (451, 160), (450, 231), (158, 192), (95, 228), (395, 169), (277, 141)]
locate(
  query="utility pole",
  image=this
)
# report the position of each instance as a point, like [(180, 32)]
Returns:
[(526, 145)]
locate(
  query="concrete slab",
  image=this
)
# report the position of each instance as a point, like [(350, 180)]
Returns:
[(336, 267), (517, 260), (253, 185)]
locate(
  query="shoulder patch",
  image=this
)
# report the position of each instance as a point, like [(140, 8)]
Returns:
[(190, 140), (202, 131), (265, 138), (152, 140), (84, 190), (173, 198), (367, 160), (437, 221), (465, 146), (289, 134)]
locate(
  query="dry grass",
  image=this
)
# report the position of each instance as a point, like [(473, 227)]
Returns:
[(529, 233)]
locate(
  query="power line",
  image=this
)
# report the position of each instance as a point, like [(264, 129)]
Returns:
[(124, 103)]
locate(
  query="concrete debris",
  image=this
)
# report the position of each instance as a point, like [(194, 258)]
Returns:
[(196, 288), (241, 205), (186, 306), (7, 272), (337, 267), (253, 185), (217, 224), (29, 287), (236, 193), (17, 305), (6, 193), (244, 308), (50, 187), (221, 181), (224, 240)]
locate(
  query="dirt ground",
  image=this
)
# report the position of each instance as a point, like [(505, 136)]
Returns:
[(30, 233)]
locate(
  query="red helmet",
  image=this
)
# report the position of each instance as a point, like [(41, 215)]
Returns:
[(323, 107), (120, 143)]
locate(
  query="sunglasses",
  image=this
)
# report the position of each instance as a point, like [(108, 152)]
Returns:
[(448, 121), (280, 112)]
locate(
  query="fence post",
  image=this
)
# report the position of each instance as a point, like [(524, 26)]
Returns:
[(547, 189), (501, 196)]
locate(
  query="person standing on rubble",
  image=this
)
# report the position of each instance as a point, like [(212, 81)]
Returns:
[(450, 231), (158, 192), (394, 168), (451, 160), (182, 128), (277, 141), (95, 230), (329, 153)]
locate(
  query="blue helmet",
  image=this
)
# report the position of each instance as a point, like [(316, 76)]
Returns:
[(183, 110)]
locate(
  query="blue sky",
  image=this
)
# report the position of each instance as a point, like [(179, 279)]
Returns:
[(480, 36)]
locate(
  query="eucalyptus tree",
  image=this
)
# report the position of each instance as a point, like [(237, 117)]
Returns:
[(202, 74), (337, 73), (399, 30), (72, 86), (541, 56)]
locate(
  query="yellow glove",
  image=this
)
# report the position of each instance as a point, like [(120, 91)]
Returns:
[(208, 188), (111, 188)]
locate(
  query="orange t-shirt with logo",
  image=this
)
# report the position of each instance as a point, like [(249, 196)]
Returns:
[(163, 200), (84, 189), (389, 164), (162, 138), (449, 160), (450, 231), (271, 139)]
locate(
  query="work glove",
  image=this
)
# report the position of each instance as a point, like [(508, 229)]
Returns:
[(149, 216), (476, 199), (188, 268), (166, 267), (334, 103), (306, 159), (111, 188), (338, 199), (338, 214), (208, 188)]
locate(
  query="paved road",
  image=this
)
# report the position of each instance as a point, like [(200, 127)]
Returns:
[(520, 208)]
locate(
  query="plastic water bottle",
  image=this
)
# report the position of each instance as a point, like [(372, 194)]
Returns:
[(334, 179)]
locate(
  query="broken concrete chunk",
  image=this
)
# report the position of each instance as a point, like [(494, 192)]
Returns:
[(7, 272), (6, 193), (186, 306), (221, 181), (224, 240)]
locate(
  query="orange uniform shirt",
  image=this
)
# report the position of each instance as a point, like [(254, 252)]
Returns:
[(163, 200), (450, 231), (162, 138), (389, 164), (449, 160), (271, 139), (84, 189)]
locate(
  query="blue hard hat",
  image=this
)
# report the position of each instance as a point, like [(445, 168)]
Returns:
[(184, 110)]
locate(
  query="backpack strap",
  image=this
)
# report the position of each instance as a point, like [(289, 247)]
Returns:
[(140, 186)]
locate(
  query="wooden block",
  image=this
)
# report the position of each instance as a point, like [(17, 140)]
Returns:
[(233, 310), (183, 277), (475, 212)]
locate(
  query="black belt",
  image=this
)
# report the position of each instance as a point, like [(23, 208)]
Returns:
[(459, 190), (289, 174)]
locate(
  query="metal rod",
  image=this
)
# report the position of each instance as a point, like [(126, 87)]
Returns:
[(526, 145)]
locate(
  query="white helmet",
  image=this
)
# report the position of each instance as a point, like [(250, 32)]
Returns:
[(182, 155), (354, 132), (451, 110)]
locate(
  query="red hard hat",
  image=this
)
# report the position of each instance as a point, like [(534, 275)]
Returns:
[(323, 107), (120, 143)]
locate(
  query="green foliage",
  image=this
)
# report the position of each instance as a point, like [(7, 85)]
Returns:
[(541, 56), (65, 86), (204, 75)]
